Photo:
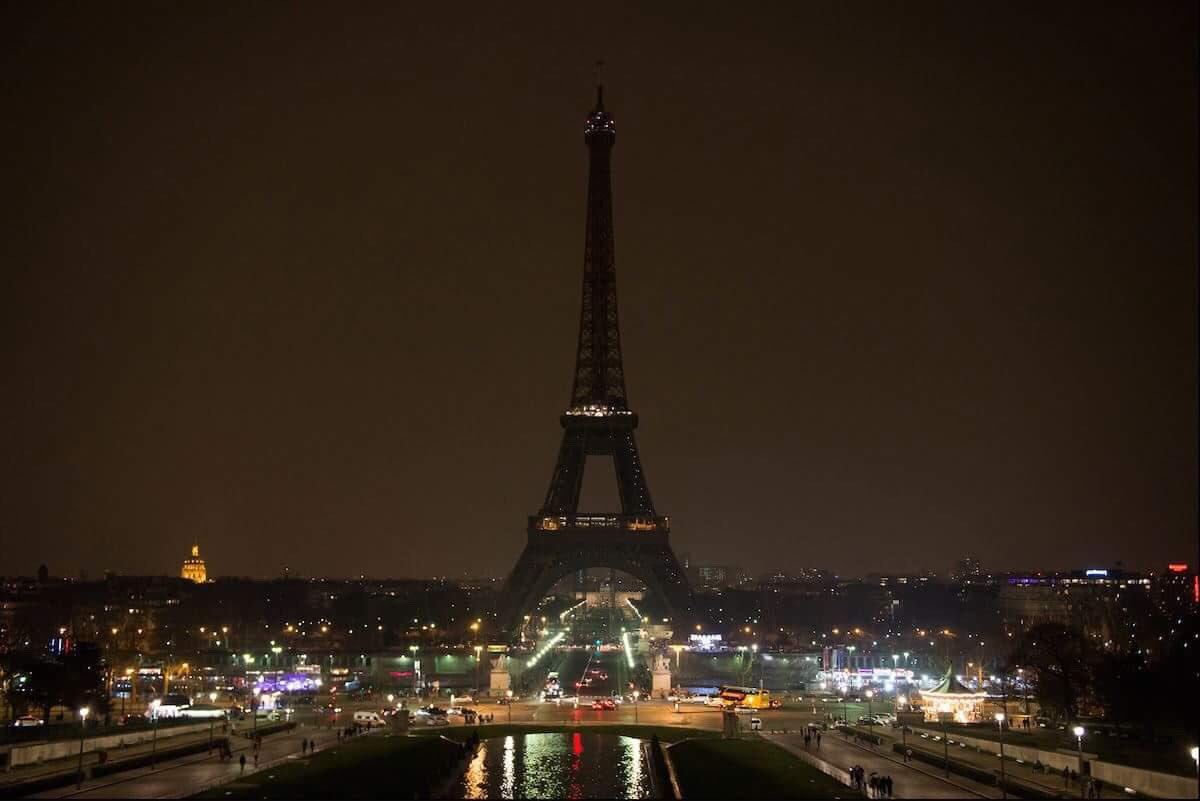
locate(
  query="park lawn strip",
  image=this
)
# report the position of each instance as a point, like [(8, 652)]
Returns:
[(364, 767), (666, 734), (746, 769)]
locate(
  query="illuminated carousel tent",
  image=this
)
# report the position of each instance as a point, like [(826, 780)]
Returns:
[(952, 697)]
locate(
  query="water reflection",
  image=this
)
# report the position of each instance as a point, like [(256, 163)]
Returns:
[(576, 765)]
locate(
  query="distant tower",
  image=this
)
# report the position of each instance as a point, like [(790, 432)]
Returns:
[(193, 567), (562, 539)]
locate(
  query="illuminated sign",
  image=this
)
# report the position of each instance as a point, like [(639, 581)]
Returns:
[(1096, 572), (1176, 567)]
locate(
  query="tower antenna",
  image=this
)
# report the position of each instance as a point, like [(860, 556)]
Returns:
[(599, 87)]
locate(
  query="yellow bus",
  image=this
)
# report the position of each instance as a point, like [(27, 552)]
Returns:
[(745, 698)]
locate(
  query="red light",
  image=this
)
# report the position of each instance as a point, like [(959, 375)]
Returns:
[(577, 744), (1176, 567)]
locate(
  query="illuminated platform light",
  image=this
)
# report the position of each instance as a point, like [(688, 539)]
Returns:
[(628, 649), (545, 649)]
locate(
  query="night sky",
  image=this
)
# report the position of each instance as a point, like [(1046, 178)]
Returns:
[(898, 282)]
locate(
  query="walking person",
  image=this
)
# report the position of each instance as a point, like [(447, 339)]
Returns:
[(242, 760), (818, 740)]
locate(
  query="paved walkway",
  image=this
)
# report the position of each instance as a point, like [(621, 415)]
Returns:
[(908, 781), (186, 776), (25, 773)]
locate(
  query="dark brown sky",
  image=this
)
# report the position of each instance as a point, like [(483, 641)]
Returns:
[(898, 281)]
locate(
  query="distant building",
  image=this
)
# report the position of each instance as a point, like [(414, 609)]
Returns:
[(194, 568), (965, 570)]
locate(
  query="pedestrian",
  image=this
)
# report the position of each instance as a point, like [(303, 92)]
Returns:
[(818, 740), (908, 755), (806, 739), (242, 760), (1066, 775), (256, 759), (889, 786)]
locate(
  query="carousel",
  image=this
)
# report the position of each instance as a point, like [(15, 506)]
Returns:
[(950, 697)]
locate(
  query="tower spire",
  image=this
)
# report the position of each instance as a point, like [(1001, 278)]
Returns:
[(599, 374)]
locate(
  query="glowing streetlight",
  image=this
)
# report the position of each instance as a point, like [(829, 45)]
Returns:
[(1079, 731), (636, 694), (478, 651), (1003, 784), (83, 713), (508, 694), (154, 705)]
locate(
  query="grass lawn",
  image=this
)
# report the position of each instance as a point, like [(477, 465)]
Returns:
[(666, 734), (367, 767), (750, 768)]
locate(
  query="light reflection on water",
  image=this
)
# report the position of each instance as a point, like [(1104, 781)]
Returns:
[(577, 765)]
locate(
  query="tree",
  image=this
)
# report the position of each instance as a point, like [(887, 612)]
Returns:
[(1057, 656)]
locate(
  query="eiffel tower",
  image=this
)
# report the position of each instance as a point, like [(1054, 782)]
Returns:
[(561, 539)]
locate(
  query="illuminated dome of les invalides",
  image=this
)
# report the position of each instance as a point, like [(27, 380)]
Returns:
[(193, 567)]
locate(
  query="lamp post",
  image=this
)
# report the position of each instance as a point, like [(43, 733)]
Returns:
[(902, 701), (478, 651), (212, 698), (870, 719), (154, 734), (254, 713), (1196, 758), (1078, 731), (636, 693), (1003, 783), (416, 671), (83, 713), (508, 695), (945, 742)]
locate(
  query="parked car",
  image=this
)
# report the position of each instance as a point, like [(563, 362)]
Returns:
[(28, 720), (132, 719)]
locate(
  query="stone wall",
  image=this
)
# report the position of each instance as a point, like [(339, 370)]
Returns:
[(34, 753), (1146, 782)]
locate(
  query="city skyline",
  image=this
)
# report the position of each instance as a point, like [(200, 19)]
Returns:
[(877, 307)]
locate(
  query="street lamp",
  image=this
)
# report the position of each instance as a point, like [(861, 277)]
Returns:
[(636, 693), (508, 695), (83, 713), (478, 650), (1196, 759), (154, 735), (212, 698), (1078, 731), (1003, 783), (254, 712), (870, 718)]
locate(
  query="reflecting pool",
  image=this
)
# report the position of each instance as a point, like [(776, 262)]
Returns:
[(575, 765)]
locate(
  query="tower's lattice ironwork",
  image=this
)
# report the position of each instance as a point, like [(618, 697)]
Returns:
[(598, 422)]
